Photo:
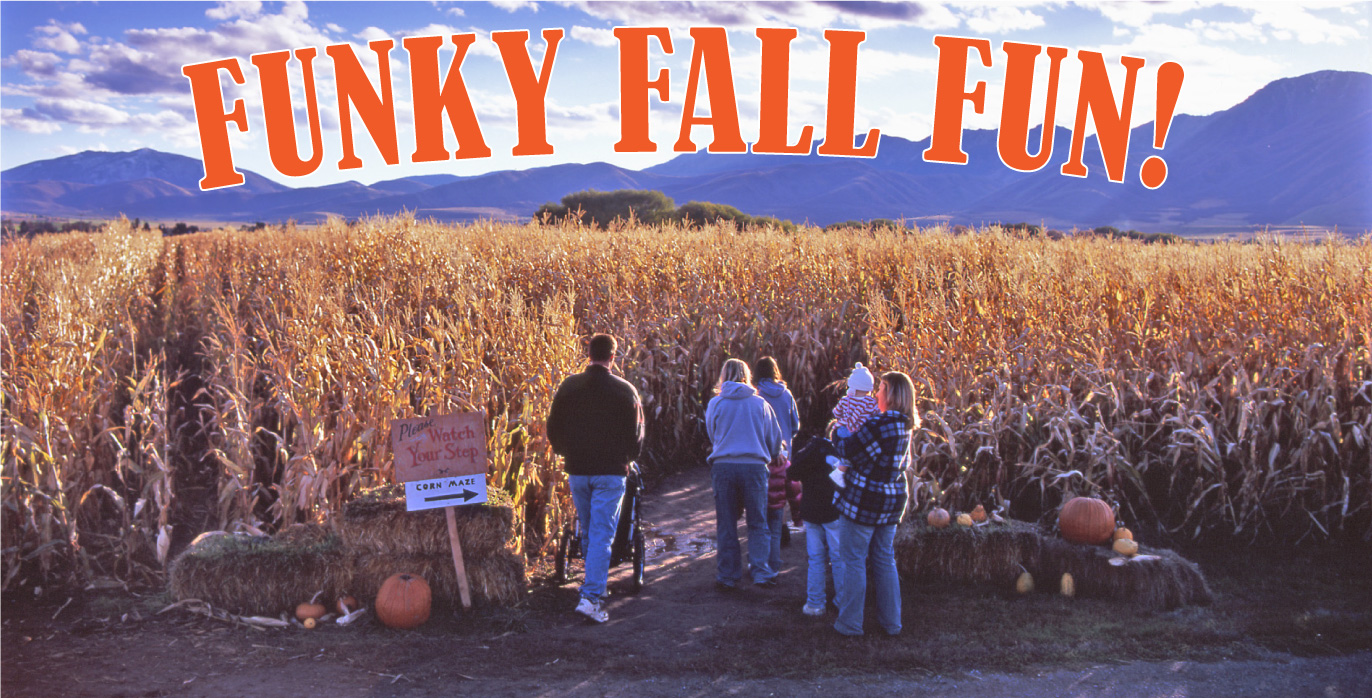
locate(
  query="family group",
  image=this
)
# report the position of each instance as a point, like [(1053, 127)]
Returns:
[(848, 489)]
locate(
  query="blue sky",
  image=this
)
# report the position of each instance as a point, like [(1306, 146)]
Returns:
[(107, 76)]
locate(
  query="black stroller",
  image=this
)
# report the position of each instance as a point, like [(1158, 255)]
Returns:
[(628, 544)]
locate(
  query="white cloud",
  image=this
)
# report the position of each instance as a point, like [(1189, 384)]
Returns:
[(235, 8), (1297, 21), (746, 16), (594, 36), (1139, 14), (1001, 19), (56, 36), (35, 63), (17, 119), (78, 111), (515, 5)]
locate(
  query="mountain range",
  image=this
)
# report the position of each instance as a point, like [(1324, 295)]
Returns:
[(1298, 152)]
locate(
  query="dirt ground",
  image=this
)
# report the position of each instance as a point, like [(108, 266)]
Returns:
[(678, 637)]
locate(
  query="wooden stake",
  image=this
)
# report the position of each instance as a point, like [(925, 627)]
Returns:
[(462, 586)]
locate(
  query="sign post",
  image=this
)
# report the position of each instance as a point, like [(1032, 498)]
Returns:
[(442, 463)]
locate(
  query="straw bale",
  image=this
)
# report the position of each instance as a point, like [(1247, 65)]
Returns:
[(997, 553), (990, 553), (1156, 578), (496, 579), (376, 522), (257, 575)]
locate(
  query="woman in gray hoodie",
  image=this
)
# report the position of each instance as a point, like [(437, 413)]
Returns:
[(744, 438), (772, 387)]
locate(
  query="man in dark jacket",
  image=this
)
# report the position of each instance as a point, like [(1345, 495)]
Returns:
[(596, 425)]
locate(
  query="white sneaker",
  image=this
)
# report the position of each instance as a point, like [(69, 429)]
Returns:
[(591, 609), (812, 610)]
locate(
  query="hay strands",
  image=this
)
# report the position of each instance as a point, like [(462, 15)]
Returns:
[(205, 609)]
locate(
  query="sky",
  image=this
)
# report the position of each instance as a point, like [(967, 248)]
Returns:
[(78, 76)]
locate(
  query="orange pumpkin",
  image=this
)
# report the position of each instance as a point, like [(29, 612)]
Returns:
[(1086, 520), (979, 514), (938, 518), (403, 602)]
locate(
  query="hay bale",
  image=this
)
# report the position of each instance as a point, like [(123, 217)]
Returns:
[(496, 579), (376, 522), (994, 554), (1156, 578), (257, 575), (990, 553)]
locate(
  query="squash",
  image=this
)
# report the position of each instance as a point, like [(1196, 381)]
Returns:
[(346, 604), (1068, 586), (1025, 583), (311, 609), (979, 514), (310, 623), (938, 517), (1126, 547), (964, 519), (1086, 520), (1122, 532), (403, 602)]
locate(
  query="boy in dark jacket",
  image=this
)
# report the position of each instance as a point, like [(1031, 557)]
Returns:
[(811, 466)]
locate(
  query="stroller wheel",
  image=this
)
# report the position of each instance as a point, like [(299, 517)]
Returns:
[(639, 555), (560, 557)]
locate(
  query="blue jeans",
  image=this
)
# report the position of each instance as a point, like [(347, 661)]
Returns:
[(741, 487), (776, 520), (597, 499), (821, 543), (856, 543)]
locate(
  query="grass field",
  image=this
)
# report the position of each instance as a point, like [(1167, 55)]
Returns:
[(157, 387)]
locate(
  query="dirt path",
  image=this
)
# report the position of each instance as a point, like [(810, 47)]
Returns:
[(679, 636)]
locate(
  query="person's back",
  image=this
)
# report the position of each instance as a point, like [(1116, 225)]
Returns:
[(596, 425), (741, 426)]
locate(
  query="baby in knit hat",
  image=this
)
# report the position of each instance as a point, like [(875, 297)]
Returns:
[(854, 408)]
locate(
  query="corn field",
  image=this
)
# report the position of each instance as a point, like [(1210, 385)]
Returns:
[(155, 388)]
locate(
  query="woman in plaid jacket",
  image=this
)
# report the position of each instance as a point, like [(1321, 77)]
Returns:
[(872, 503)]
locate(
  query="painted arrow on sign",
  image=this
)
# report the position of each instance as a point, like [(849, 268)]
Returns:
[(465, 496)]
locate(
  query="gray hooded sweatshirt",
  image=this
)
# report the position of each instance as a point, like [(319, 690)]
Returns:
[(741, 426), (783, 406)]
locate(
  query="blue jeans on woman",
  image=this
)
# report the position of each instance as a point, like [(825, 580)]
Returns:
[(597, 499), (776, 520), (821, 544), (741, 487), (857, 543)]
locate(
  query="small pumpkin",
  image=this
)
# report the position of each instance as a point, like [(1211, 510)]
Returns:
[(1086, 520), (1025, 583), (938, 517), (979, 514), (1123, 532), (964, 519), (346, 604), (404, 601), (311, 609), (310, 623), (1127, 547), (1068, 586)]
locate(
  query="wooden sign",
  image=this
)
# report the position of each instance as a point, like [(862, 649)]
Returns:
[(442, 461), (429, 448)]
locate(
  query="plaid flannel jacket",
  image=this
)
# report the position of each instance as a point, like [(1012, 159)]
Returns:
[(877, 453)]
